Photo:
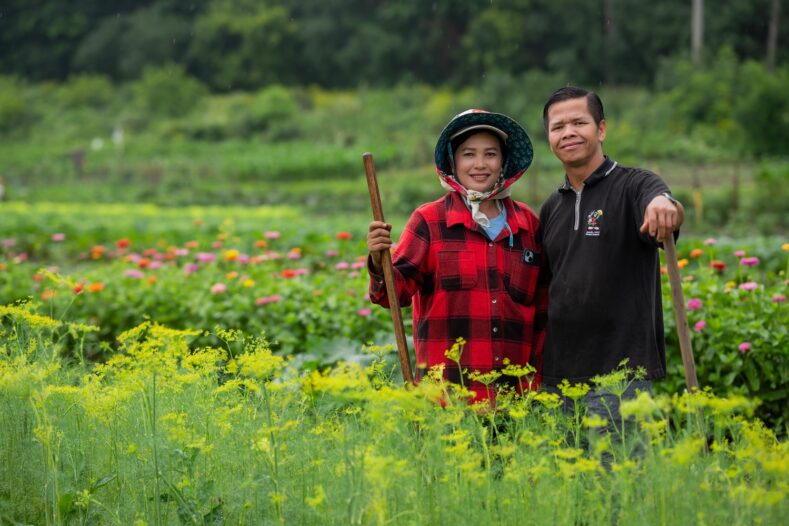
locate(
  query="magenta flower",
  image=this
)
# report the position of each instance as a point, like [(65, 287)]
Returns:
[(301, 271), (332, 253), (155, 264), (265, 300), (342, 265), (699, 326), (744, 347), (353, 274), (271, 234), (778, 298), (749, 285), (205, 257), (364, 312), (217, 244), (218, 288), (356, 265), (749, 262), (134, 273), (694, 304), (191, 268), (739, 253), (8, 243), (710, 241), (58, 237)]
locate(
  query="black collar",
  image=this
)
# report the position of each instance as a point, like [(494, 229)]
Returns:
[(598, 175)]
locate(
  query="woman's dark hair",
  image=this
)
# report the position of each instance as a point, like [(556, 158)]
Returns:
[(571, 92), (460, 139)]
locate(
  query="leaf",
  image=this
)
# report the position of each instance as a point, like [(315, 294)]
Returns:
[(106, 479)]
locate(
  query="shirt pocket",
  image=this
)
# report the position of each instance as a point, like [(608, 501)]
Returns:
[(522, 271), (457, 270)]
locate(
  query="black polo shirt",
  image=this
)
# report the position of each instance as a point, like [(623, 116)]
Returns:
[(605, 296)]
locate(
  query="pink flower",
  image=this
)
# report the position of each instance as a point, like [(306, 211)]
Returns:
[(749, 262), (342, 265), (181, 252), (301, 271), (271, 234), (353, 274), (749, 285), (739, 253), (265, 300), (218, 288), (364, 312), (8, 243), (134, 273), (699, 326), (356, 265), (778, 298), (332, 253), (205, 257), (294, 254), (190, 268), (744, 347), (155, 264), (710, 241), (217, 244), (694, 304), (58, 237)]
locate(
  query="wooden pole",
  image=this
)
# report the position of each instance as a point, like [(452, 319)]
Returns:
[(389, 279), (683, 332)]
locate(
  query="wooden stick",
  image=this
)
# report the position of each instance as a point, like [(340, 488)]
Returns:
[(389, 279), (683, 332)]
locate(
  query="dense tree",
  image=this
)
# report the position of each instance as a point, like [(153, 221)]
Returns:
[(248, 44)]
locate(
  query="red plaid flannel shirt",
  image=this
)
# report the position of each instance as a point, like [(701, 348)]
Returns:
[(462, 285)]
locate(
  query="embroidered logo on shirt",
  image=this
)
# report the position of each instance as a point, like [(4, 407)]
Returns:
[(593, 223)]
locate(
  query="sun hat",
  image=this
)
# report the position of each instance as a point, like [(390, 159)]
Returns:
[(518, 152)]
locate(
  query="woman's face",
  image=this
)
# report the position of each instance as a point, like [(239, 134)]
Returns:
[(478, 161)]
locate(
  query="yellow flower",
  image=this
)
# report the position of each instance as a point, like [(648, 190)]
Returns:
[(248, 283), (574, 392), (785, 247), (456, 351), (317, 499), (231, 255)]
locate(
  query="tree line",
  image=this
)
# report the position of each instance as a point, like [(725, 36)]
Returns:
[(248, 44)]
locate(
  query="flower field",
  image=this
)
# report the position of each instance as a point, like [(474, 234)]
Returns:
[(209, 366)]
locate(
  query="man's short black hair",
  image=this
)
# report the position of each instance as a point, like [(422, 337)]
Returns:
[(571, 92)]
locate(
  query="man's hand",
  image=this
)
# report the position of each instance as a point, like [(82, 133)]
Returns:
[(662, 217), (379, 238)]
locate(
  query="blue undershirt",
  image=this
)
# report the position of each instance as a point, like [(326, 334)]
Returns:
[(497, 224)]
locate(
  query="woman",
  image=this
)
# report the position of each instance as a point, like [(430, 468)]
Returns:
[(469, 262)]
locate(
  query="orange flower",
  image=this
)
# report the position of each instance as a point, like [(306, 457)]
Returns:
[(232, 254), (97, 251), (98, 286), (123, 243), (261, 243), (191, 244), (3, 266), (696, 252), (664, 270), (231, 275), (152, 280), (288, 273), (38, 277), (144, 263), (78, 288), (343, 236), (222, 236), (682, 263), (48, 294), (198, 222)]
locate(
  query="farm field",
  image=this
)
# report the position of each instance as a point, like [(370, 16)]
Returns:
[(222, 365)]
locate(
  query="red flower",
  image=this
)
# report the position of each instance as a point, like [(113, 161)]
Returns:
[(289, 273), (343, 236), (718, 265), (123, 243)]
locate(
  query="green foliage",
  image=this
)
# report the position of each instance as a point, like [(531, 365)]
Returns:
[(167, 91), (86, 91), (738, 316), (730, 114), (15, 113)]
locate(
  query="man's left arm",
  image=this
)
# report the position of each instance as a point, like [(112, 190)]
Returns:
[(663, 215)]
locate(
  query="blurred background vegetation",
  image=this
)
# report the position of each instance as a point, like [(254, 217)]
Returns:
[(249, 102)]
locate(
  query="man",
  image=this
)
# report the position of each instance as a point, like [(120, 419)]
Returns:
[(600, 234)]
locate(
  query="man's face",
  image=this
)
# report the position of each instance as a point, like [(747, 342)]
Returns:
[(478, 162), (574, 137)]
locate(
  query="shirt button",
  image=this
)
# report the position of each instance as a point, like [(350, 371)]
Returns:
[(496, 359), (495, 329), (490, 244), (493, 300)]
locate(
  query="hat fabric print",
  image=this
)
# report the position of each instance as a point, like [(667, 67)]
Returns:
[(518, 150)]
